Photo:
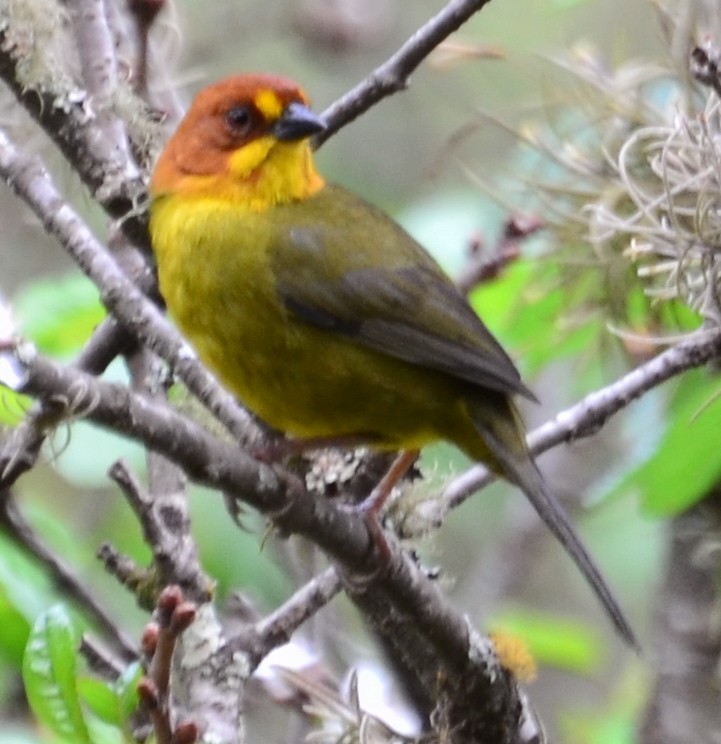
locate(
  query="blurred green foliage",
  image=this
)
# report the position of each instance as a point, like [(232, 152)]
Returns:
[(685, 464), (552, 311), (58, 314), (554, 641)]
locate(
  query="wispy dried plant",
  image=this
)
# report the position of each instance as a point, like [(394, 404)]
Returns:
[(627, 173)]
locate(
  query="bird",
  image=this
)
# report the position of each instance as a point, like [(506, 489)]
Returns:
[(319, 312)]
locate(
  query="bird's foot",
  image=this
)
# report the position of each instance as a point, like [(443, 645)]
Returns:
[(370, 509)]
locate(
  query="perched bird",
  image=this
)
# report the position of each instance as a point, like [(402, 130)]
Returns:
[(318, 311)]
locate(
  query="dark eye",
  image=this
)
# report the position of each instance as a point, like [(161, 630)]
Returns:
[(239, 119)]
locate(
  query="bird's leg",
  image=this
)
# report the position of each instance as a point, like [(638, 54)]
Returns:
[(369, 509), (373, 503), (371, 506)]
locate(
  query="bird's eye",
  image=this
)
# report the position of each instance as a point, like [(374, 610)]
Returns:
[(239, 119)]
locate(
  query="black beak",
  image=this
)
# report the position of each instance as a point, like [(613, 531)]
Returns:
[(297, 122)]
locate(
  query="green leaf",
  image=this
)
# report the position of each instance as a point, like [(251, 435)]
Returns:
[(49, 674), (687, 461), (24, 592), (608, 727), (100, 698), (126, 690), (103, 733), (497, 302), (112, 703), (13, 406), (553, 641), (59, 314), (527, 308), (15, 632)]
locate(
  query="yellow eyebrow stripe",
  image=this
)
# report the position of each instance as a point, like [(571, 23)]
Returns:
[(268, 104)]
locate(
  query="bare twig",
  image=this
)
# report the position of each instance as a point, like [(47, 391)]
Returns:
[(102, 663), (165, 524), (174, 615), (279, 625), (60, 107), (127, 573), (144, 13), (483, 266), (590, 414), (392, 76), (705, 63), (100, 73), (108, 340)]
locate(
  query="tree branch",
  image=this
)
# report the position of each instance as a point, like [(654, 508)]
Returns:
[(277, 627), (166, 526), (590, 414), (100, 74), (392, 76), (27, 177), (62, 109), (684, 704), (396, 583)]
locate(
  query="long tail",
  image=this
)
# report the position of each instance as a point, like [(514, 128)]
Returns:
[(502, 433)]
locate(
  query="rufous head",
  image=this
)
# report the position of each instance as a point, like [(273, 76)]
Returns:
[(245, 138)]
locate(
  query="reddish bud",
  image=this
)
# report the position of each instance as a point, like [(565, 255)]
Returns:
[(182, 618), (185, 733), (167, 602), (522, 226), (149, 639)]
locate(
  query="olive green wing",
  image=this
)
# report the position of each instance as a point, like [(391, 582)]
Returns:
[(406, 307)]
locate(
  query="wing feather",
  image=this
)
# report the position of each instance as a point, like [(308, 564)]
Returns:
[(407, 308)]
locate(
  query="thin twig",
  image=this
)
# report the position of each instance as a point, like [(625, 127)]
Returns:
[(100, 73), (484, 266), (100, 661), (127, 573), (705, 64), (392, 76), (144, 14), (166, 527), (277, 627), (591, 413), (61, 109), (173, 616)]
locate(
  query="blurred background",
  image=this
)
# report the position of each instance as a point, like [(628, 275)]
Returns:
[(452, 158)]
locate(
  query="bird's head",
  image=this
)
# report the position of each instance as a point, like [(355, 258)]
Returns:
[(244, 139)]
